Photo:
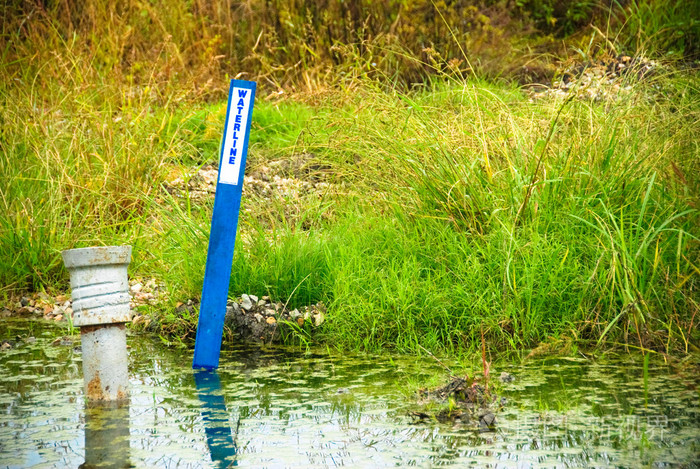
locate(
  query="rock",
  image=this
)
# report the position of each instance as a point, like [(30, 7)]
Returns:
[(47, 299), (143, 297), (209, 176), (267, 321), (62, 341), (266, 298), (488, 419), (246, 302), (253, 298), (600, 79), (5, 346), (506, 377), (24, 301), (26, 310), (135, 288)]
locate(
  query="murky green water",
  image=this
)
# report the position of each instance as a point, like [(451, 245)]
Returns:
[(282, 408)]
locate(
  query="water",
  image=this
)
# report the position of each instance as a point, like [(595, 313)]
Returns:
[(284, 408)]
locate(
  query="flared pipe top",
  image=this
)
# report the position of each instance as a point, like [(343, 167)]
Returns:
[(95, 256), (99, 284)]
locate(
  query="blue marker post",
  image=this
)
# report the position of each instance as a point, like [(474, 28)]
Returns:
[(224, 223)]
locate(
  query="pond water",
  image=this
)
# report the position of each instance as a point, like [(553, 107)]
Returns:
[(277, 407)]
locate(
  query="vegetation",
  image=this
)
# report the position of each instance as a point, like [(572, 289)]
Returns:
[(453, 205)]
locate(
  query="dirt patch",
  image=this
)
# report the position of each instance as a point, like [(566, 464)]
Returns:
[(261, 320), (291, 177)]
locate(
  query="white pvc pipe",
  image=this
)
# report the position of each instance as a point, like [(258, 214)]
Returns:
[(100, 291)]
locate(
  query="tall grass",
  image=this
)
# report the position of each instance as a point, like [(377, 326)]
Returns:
[(604, 250), (433, 240), (459, 210), (177, 51), (456, 208), (668, 27), (67, 167)]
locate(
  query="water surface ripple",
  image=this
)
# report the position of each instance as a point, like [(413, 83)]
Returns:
[(276, 407)]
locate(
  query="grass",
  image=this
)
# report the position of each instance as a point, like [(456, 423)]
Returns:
[(596, 249), (453, 213), (462, 207)]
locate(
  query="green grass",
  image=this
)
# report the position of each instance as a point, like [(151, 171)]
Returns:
[(458, 209), (433, 241), (450, 241)]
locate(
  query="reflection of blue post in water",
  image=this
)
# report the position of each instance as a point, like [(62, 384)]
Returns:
[(107, 436), (220, 440)]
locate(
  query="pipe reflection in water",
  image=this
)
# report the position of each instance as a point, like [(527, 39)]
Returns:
[(107, 436), (220, 439)]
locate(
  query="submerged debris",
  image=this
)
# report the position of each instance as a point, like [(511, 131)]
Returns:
[(464, 400), (63, 341), (462, 390)]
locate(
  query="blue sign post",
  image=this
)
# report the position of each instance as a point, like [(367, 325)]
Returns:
[(224, 223)]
